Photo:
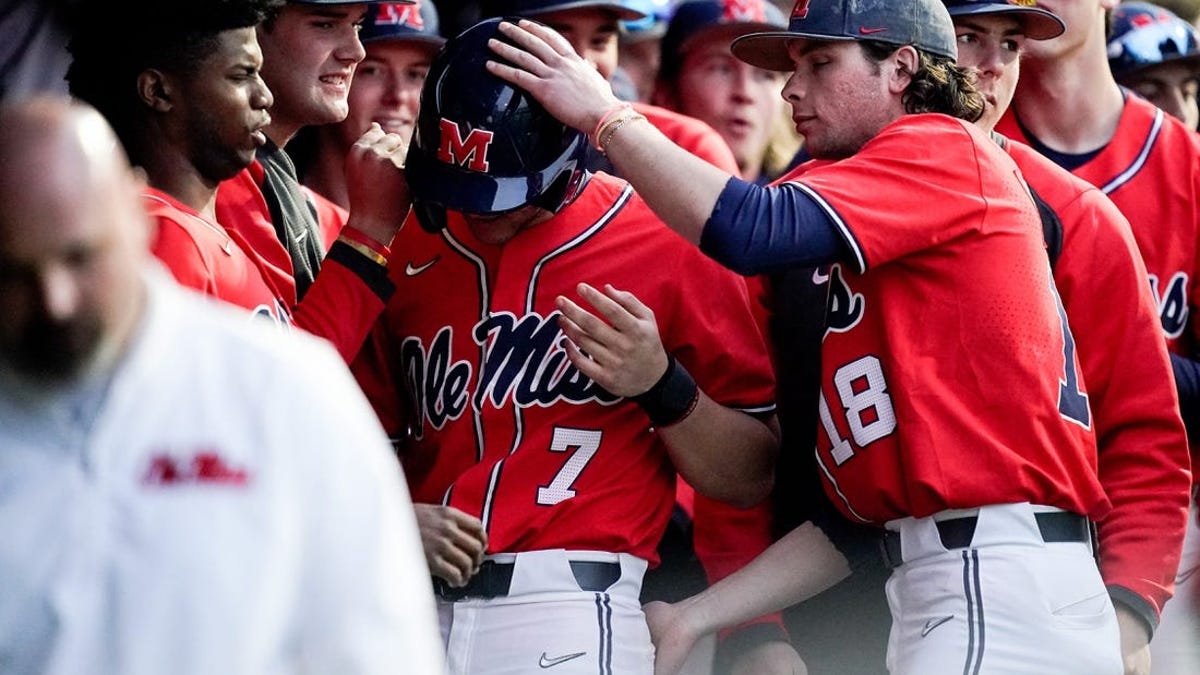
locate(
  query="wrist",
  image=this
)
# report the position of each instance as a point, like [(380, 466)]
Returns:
[(376, 233), (672, 398)]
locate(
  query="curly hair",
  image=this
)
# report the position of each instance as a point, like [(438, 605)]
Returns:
[(116, 41), (939, 85)]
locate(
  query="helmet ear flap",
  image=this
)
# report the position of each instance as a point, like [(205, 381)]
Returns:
[(432, 217), (565, 187)]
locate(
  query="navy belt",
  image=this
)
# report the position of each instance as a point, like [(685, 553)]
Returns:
[(1055, 527), (494, 579)]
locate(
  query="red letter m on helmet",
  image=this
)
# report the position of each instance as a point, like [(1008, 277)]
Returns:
[(471, 152)]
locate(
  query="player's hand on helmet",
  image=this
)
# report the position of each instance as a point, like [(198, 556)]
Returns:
[(775, 657), (672, 635), (545, 64), (620, 349), (378, 190), (454, 542)]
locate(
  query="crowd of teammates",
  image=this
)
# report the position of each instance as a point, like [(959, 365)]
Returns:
[(593, 369)]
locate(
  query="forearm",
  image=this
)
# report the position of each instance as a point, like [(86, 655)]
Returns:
[(800, 565), (724, 453)]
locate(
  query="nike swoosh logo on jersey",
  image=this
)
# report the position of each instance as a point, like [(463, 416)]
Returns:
[(414, 271), (545, 662), (871, 31), (934, 623), (819, 278)]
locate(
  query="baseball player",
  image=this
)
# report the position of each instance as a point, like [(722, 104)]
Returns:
[(190, 126), (1142, 447), (185, 491), (400, 40), (985, 520), (592, 27), (1069, 107), (543, 401), (310, 49), (1157, 55)]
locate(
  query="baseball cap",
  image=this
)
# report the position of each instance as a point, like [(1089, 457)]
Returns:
[(1038, 24), (924, 24), (726, 20), (1146, 35), (625, 11), (405, 22), (653, 25)]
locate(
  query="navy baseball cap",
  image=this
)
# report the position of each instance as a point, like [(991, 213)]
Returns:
[(529, 8), (924, 24), (726, 20), (1146, 35), (1038, 24), (396, 21)]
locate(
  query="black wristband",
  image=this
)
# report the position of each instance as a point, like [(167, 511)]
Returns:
[(672, 398)]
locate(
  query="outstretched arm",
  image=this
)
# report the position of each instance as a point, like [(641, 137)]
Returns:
[(800, 565), (680, 187)]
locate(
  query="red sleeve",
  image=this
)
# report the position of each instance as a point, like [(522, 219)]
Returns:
[(1143, 451), (349, 292), (345, 300)]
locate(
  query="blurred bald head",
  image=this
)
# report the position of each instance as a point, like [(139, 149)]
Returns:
[(73, 241)]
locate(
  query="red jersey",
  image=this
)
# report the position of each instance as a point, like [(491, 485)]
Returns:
[(1151, 171), (949, 378), (348, 294), (505, 428), (1141, 441), (202, 255)]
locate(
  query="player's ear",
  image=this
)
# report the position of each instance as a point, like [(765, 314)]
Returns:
[(154, 90), (903, 63)]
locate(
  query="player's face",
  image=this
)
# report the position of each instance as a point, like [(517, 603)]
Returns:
[(738, 100), (309, 55), (991, 45), (224, 106), (387, 89), (839, 98), (1169, 86), (499, 228), (72, 244), (592, 31), (640, 61)]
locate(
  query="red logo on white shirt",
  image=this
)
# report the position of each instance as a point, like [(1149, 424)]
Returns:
[(206, 467)]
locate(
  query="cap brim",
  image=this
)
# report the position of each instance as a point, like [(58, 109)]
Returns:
[(434, 42), (1038, 24), (769, 50), (622, 12), (1187, 60), (725, 32)]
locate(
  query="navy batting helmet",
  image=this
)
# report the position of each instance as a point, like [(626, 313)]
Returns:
[(483, 146), (1146, 35)]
